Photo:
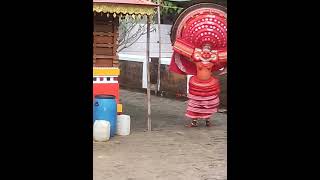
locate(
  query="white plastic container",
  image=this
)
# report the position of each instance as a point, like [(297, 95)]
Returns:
[(123, 125), (101, 130)]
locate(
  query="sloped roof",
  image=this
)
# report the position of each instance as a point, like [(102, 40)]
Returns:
[(131, 7), (132, 2)]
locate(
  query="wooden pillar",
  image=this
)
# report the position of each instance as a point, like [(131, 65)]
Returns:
[(159, 61), (115, 60), (148, 75)]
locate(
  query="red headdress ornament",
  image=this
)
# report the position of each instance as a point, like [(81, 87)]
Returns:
[(202, 26)]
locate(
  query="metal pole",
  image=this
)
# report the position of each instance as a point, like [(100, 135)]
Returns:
[(159, 62), (148, 74)]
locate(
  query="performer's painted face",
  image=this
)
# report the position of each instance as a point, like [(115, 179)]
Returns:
[(205, 54)]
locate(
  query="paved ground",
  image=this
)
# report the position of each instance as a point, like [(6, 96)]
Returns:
[(170, 152)]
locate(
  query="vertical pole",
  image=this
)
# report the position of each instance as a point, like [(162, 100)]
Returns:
[(148, 73), (159, 61)]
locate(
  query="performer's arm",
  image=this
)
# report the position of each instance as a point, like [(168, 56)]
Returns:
[(223, 61), (184, 48), (224, 71)]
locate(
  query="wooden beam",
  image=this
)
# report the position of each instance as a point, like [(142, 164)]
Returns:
[(104, 45), (103, 57), (115, 62), (103, 34), (159, 61), (148, 75)]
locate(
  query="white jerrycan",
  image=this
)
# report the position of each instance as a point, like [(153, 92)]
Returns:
[(101, 130), (123, 125)]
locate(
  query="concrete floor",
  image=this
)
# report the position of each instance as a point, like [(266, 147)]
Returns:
[(170, 151)]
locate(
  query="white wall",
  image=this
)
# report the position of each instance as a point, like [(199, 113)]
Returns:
[(137, 52)]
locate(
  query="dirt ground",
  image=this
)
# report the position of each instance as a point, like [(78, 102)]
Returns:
[(169, 152)]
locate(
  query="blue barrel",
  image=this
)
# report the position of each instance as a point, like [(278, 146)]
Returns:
[(93, 111), (106, 109)]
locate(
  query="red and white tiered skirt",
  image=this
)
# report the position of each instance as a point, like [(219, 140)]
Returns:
[(203, 98)]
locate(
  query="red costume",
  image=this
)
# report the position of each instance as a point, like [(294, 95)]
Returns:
[(200, 48)]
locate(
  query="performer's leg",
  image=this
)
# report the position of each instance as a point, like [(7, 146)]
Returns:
[(194, 123), (208, 123)]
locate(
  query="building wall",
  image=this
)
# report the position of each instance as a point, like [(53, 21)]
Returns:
[(171, 84), (105, 35), (131, 74)]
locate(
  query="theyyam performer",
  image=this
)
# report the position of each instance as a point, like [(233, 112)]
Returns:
[(199, 37)]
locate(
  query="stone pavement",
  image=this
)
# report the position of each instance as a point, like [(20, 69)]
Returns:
[(170, 151)]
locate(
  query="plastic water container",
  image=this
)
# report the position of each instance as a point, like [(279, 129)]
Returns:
[(93, 111), (123, 125), (106, 108), (101, 130)]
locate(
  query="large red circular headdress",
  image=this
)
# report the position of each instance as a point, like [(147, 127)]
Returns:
[(204, 23), (199, 25)]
